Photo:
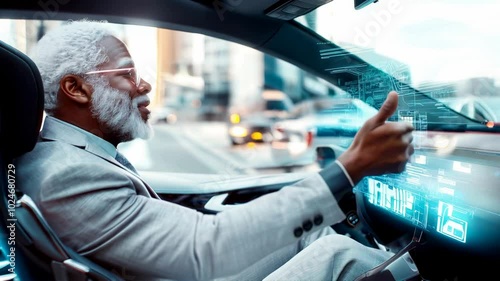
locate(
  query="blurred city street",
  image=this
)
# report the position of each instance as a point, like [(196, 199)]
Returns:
[(200, 147)]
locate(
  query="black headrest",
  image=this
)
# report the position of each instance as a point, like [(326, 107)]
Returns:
[(21, 102)]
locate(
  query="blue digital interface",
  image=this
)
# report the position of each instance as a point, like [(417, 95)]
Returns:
[(444, 188), (436, 193)]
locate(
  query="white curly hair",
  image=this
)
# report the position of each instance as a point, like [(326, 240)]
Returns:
[(72, 48)]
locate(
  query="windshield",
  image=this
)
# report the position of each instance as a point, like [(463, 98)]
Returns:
[(445, 49)]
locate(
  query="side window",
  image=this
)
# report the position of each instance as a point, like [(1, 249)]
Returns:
[(225, 99), (213, 102)]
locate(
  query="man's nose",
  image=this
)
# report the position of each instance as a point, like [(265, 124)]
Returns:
[(144, 87)]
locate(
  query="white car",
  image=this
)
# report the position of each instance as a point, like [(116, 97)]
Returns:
[(320, 122), (163, 115), (476, 108)]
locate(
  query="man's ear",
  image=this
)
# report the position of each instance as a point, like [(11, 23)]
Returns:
[(75, 88)]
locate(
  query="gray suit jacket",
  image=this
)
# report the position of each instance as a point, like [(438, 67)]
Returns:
[(109, 214)]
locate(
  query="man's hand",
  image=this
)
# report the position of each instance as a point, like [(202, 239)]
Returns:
[(379, 147)]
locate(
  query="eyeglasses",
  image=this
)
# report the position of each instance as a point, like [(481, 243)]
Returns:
[(129, 72)]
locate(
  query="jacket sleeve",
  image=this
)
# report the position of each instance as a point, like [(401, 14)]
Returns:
[(97, 212)]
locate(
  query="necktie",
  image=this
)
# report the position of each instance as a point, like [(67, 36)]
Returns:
[(122, 160)]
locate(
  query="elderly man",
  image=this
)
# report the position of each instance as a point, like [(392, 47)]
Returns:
[(100, 206)]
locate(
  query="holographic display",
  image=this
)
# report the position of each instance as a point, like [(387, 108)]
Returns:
[(445, 187), (438, 194), (452, 221)]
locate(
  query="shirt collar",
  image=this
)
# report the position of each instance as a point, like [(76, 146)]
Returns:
[(103, 144)]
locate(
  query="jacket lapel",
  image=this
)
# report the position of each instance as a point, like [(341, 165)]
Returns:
[(56, 131)]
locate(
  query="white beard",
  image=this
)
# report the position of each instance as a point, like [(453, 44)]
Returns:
[(121, 116)]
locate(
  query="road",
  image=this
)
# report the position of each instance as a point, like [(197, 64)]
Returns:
[(198, 147)]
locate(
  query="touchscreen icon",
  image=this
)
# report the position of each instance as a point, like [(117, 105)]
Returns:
[(451, 222)]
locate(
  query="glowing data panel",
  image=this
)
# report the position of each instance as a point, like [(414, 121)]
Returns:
[(399, 201), (452, 221), (438, 194)]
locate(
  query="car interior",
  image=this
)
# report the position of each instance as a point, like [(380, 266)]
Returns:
[(430, 243)]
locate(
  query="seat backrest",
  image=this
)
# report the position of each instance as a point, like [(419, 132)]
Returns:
[(32, 249)]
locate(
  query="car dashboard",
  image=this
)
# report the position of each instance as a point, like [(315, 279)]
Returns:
[(212, 193)]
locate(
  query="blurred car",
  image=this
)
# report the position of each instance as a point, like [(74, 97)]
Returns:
[(163, 114), (324, 121), (253, 124)]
